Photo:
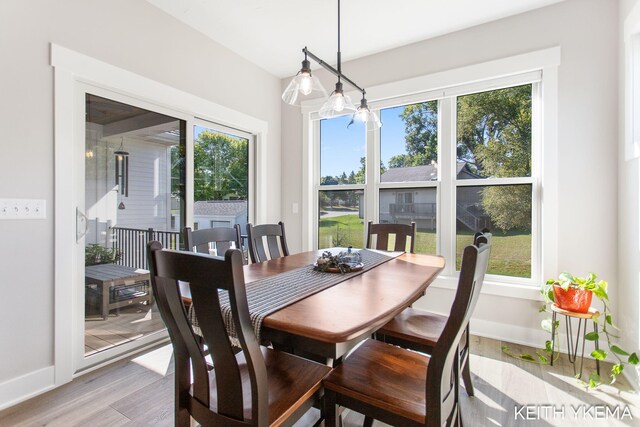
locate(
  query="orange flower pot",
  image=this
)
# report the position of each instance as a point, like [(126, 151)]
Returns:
[(576, 300)]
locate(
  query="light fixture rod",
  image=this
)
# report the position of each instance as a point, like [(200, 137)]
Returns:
[(332, 70), (339, 55)]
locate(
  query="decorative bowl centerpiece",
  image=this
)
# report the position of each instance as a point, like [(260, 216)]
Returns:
[(343, 262)]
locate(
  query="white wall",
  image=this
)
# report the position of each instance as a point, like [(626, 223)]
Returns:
[(130, 34), (586, 31), (628, 216)]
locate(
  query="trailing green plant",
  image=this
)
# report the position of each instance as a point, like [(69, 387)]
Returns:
[(98, 254), (604, 319)]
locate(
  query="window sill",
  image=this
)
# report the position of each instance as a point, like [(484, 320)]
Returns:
[(502, 289)]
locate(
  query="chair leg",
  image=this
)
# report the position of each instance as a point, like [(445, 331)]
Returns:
[(466, 376), (330, 409), (182, 417)]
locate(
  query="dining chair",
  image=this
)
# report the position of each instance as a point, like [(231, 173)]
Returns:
[(382, 232), (208, 239), (276, 241), (257, 386), (419, 330), (402, 387)]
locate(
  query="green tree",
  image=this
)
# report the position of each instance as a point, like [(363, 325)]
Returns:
[(494, 132), (328, 180), (325, 201), (361, 174), (421, 135), (509, 207), (220, 167), (494, 139)]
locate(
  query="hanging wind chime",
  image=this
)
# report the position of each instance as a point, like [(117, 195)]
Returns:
[(122, 171)]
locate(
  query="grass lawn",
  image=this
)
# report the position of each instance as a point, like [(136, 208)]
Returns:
[(344, 230), (510, 254)]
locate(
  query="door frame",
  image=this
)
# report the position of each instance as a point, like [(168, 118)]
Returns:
[(73, 72)]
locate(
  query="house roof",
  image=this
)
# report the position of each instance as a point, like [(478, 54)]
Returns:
[(419, 173), (220, 207)]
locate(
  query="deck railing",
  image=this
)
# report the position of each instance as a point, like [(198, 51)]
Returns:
[(417, 210), (131, 244)]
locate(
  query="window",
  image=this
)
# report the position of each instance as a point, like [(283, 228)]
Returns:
[(341, 187), (493, 144), (221, 181), (463, 156), (409, 154)]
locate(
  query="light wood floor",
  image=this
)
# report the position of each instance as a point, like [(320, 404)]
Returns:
[(140, 392)]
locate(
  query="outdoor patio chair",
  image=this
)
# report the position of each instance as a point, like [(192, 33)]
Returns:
[(257, 386)]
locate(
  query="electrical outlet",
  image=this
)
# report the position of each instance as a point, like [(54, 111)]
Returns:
[(23, 209)]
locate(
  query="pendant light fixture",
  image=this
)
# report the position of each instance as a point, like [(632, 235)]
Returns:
[(338, 104)]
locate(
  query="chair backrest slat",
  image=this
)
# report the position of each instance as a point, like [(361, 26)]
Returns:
[(383, 231), (205, 276), (222, 237), (276, 241)]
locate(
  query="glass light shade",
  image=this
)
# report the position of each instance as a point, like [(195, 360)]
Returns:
[(303, 86), (337, 105), (368, 118)]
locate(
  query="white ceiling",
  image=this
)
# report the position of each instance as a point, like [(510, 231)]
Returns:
[(272, 33)]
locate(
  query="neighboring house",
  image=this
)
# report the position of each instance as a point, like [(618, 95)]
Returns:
[(220, 213), (402, 206), (147, 203)]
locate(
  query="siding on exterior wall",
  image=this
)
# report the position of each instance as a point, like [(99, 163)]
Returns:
[(148, 203)]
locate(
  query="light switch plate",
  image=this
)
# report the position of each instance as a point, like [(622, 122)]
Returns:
[(23, 209)]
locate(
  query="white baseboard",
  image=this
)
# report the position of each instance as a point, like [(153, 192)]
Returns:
[(537, 337), (19, 389), (533, 337), (632, 374)]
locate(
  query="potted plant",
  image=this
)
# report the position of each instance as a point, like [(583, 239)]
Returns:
[(97, 254), (574, 294)]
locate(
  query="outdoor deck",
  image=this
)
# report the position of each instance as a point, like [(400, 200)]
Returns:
[(132, 322)]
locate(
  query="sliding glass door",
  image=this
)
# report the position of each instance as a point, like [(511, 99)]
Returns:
[(134, 191), (140, 165)]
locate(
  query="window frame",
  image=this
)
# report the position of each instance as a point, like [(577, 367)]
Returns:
[(538, 68), (252, 154)]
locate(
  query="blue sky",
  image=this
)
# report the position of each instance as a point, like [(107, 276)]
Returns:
[(342, 147)]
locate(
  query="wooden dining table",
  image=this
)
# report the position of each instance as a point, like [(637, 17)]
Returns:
[(326, 325)]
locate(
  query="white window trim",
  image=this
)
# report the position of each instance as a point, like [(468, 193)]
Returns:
[(632, 84), (539, 65), (71, 71)]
